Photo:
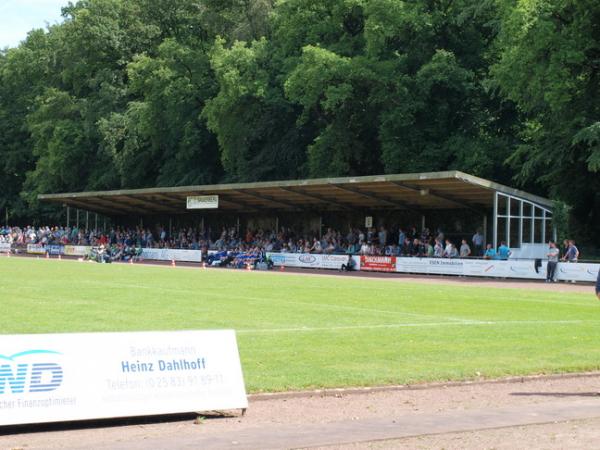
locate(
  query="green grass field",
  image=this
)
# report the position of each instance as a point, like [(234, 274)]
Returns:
[(299, 332)]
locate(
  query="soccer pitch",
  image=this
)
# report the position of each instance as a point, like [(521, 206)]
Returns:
[(301, 332)]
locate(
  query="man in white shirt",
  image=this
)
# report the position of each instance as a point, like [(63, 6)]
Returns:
[(465, 250), (552, 262), (477, 243)]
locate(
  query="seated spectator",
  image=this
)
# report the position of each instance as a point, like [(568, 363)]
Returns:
[(503, 251), (430, 249), (350, 264), (438, 249), (316, 246), (447, 249), (490, 252)]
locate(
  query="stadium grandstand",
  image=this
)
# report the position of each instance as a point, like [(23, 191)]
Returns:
[(451, 202)]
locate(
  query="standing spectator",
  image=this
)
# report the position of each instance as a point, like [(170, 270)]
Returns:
[(382, 236), (477, 243), (598, 286), (465, 250), (401, 237), (565, 247), (572, 253), (552, 262), (503, 251)]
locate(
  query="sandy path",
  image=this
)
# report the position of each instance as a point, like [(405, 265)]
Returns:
[(465, 414)]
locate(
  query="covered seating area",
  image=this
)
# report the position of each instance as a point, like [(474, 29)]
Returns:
[(501, 212)]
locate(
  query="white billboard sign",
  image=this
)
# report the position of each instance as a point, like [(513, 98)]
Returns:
[(36, 249), (168, 254), (496, 268), (77, 250), (202, 202), (578, 271), (309, 260), (62, 377)]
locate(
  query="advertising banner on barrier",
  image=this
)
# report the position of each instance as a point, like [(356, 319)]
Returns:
[(76, 250), (378, 263), (61, 377), (308, 260), (430, 266), (577, 271), (36, 249), (4, 247), (168, 254), (55, 249), (496, 268)]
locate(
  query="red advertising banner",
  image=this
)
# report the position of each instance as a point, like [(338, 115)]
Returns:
[(378, 263)]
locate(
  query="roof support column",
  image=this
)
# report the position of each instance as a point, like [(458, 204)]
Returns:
[(87, 220), (520, 223), (495, 221), (96, 222), (508, 219), (68, 216), (320, 227), (485, 231), (543, 226), (422, 222)]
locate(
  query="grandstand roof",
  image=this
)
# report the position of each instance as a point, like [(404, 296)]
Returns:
[(414, 191)]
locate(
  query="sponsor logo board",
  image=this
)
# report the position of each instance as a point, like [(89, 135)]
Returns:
[(202, 202), (76, 250), (308, 260), (51, 378), (378, 263), (168, 254), (36, 249)]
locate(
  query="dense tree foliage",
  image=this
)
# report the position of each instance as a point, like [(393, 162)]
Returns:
[(136, 93)]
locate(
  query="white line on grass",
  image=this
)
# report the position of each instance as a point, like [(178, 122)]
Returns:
[(413, 325), (316, 304)]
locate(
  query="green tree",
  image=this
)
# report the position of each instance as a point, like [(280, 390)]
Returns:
[(549, 66)]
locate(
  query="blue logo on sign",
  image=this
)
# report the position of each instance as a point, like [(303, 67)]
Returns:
[(23, 377)]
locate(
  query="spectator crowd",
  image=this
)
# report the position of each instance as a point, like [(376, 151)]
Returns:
[(371, 241)]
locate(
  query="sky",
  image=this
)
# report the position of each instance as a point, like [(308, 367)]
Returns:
[(18, 17)]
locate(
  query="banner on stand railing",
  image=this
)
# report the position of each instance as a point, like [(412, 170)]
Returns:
[(308, 260), (168, 254), (378, 263)]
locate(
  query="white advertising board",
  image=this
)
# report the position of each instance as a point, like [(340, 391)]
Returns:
[(202, 202), (308, 260), (496, 268), (168, 254), (62, 377), (76, 250), (577, 271), (4, 247), (36, 249)]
